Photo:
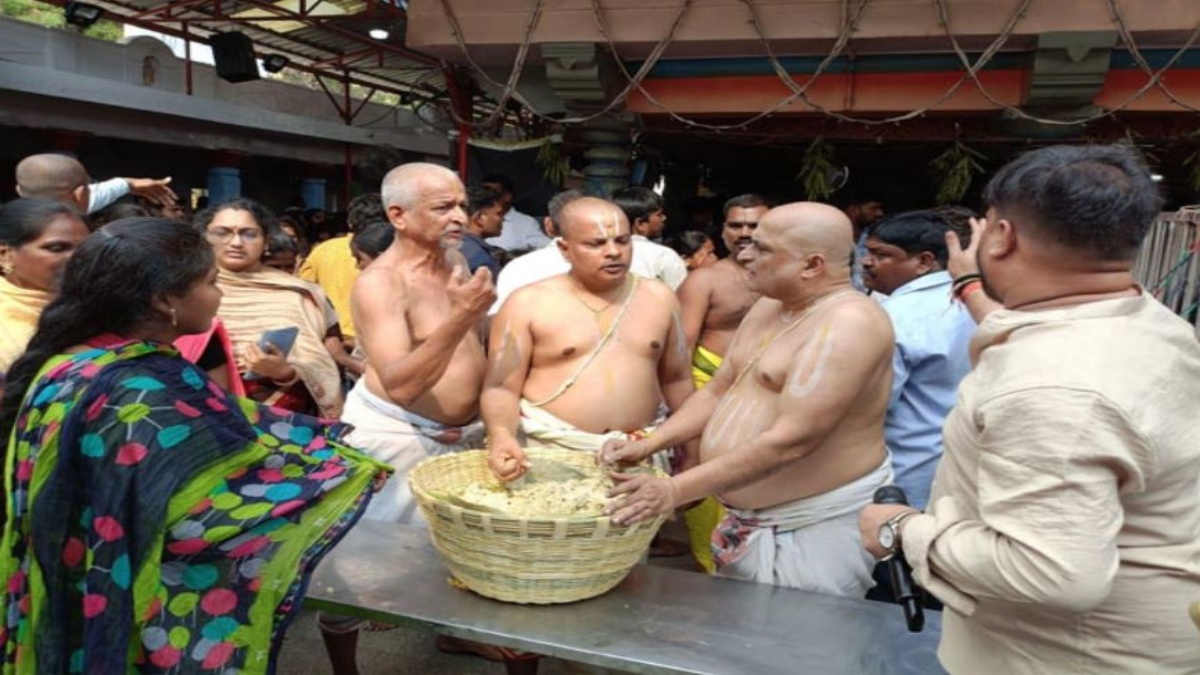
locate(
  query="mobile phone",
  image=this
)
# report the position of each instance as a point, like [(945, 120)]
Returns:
[(282, 339)]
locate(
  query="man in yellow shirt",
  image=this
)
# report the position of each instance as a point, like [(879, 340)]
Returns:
[(331, 264)]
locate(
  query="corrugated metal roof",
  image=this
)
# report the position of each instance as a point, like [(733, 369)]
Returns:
[(326, 36)]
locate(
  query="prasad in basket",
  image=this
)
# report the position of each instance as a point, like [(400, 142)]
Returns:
[(551, 499)]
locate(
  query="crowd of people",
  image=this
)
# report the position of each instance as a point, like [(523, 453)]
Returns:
[(196, 407)]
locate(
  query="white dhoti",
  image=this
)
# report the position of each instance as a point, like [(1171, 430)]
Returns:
[(401, 438), (542, 429), (811, 544)]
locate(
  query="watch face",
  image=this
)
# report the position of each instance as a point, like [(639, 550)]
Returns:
[(887, 538)]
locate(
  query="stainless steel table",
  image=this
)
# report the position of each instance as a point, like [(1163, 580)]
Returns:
[(658, 620)]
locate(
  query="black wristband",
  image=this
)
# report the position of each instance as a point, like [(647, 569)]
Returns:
[(967, 278)]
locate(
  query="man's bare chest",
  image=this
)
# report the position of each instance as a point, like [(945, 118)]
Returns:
[(573, 336)]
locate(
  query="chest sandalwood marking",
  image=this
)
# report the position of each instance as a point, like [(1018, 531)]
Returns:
[(813, 360)]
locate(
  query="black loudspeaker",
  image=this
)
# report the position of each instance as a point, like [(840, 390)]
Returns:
[(233, 53)]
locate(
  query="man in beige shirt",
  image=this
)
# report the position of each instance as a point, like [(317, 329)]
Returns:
[(1063, 532)]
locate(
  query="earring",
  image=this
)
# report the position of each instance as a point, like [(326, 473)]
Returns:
[(174, 319)]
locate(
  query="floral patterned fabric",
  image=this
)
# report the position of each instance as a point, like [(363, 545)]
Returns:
[(156, 524)]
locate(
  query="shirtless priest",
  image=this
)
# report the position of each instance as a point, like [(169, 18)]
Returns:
[(585, 356), (791, 425)]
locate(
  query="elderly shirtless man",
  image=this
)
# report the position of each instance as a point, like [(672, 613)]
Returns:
[(585, 356), (418, 317), (791, 425)]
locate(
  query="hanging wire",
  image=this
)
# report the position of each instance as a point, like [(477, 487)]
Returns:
[(509, 90), (848, 24), (1154, 81), (1136, 53)]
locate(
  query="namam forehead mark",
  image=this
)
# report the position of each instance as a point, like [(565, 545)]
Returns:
[(607, 223)]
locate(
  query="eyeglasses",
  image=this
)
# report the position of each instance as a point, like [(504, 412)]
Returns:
[(223, 235)]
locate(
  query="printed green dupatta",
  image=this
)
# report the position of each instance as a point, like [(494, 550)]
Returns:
[(155, 524)]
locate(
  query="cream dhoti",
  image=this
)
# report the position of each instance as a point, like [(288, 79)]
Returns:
[(811, 544), (542, 429), (402, 439)]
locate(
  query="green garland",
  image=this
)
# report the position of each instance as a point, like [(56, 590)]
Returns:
[(955, 168), (816, 170), (554, 164)]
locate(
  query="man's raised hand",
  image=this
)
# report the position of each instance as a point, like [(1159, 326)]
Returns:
[(157, 190), (962, 260), (471, 296)]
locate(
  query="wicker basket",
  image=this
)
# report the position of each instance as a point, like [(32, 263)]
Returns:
[(526, 560)]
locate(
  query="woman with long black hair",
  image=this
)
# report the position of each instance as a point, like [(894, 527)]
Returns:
[(152, 520)]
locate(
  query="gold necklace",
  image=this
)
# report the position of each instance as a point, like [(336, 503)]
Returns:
[(597, 312)]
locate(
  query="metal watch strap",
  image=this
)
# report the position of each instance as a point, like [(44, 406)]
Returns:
[(894, 523)]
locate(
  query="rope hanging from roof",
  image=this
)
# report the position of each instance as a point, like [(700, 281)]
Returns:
[(799, 92), (509, 89)]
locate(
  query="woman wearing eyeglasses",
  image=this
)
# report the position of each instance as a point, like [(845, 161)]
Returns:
[(258, 299)]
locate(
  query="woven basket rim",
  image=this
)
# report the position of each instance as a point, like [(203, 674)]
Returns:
[(546, 560), (435, 501)]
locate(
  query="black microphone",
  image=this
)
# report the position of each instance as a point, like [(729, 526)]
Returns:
[(907, 594)]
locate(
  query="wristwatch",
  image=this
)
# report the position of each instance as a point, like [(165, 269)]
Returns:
[(889, 532)]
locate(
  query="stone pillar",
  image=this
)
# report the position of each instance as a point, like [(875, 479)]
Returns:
[(584, 76), (224, 183), (607, 168), (312, 191)]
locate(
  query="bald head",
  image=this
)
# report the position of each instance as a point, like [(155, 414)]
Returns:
[(402, 185), (588, 215), (808, 227), (51, 176)]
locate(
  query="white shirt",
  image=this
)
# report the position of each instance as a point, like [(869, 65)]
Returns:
[(519, 232), (658, 262), (650, 260), (106, 192)]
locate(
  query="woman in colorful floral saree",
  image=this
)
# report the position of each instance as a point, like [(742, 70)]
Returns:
[(153, 522)]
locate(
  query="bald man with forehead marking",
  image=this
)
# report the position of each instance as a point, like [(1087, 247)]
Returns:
[(791, 425), (583, 356)]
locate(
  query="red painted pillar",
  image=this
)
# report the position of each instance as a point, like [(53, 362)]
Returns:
[(460, 102)]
